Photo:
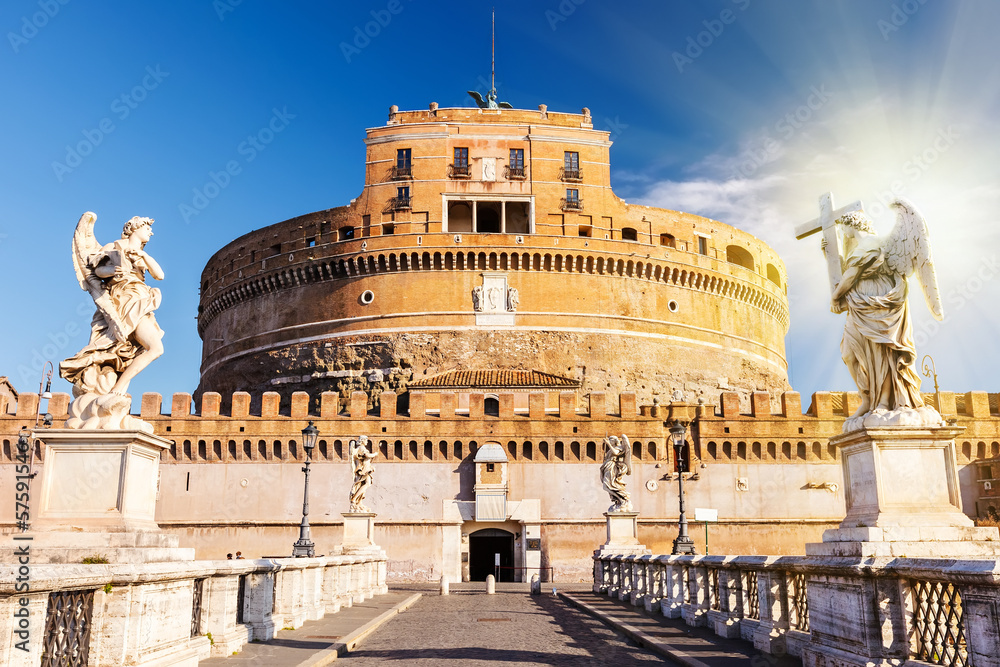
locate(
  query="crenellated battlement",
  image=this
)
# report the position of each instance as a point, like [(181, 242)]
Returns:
[(562, 430)]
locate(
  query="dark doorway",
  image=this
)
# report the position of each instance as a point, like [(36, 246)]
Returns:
[(484, 545)]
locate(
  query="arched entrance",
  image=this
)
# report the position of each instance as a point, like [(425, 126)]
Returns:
[(488, 547)]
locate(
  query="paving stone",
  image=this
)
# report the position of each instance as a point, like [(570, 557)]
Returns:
[(470, 628)]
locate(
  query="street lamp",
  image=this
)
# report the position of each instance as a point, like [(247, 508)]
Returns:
[(683, 544), (304, 547), (929, 370)]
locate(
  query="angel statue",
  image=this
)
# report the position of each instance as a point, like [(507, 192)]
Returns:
[(124, 335), (364, 468), (491, 100), (617, 464), (878, 337)]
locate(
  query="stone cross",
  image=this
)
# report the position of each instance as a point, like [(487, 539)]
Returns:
[(826, 223)]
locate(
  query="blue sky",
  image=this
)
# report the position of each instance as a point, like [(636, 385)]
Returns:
[(744, 111)]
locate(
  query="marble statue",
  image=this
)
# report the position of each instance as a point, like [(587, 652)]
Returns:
[(616, 466), (512, 299), (124, 336), (878, 337), (362, 459), (477, 298)]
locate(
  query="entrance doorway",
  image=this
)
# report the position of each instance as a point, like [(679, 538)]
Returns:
[(487, 548)]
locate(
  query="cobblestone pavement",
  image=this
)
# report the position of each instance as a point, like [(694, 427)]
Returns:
[(470, 629)]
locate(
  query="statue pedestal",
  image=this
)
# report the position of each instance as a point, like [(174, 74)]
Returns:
[(97, 497), (359, 533), (903, 500), (623, 535)]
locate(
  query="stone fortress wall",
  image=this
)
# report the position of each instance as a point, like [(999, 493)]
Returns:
[(232, 478), (374, 295)]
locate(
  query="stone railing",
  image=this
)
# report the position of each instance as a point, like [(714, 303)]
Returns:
[(178, 612), (828, 611)]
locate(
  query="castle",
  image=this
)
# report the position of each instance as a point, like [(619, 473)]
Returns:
[(487, 311)]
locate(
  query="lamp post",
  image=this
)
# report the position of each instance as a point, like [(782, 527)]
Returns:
[(683, 544), (929, 370), (304, 547)]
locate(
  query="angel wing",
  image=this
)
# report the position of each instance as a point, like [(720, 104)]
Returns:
[(478, 98), (85, 246), (908, 251), (505, 105)]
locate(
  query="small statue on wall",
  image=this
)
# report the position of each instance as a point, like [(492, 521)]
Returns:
[(512, 299), (477, 298), (616, 466), (124, 335), (362, 460)]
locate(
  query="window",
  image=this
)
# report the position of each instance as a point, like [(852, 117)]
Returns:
[(402, 168), (345, 233), (490, 467), (402, 199), (702, 245), (388, 228), (586, 230), (515, 167), (460, 166), (629, 234), (668, 240), (517, 158), (403, 158), (572, 200), (739, 256), (311, 241), (571, 165), (773, 275)]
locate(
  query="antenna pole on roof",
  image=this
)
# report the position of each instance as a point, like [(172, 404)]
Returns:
[(493, 54)]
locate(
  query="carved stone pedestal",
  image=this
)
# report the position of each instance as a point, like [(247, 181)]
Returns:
[(903, 499), (623, 535), (359, 539), (623, 539), (359, 533), (96, 496)]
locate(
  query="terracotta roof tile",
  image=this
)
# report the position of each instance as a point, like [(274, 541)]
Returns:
[(494, 379)]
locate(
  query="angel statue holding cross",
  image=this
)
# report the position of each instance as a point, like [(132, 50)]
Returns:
[(872, 289)]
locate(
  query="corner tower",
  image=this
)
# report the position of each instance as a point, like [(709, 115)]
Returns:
[(491, 239)]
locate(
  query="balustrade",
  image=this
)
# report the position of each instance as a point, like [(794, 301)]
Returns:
[(943, 612), (190, 610)]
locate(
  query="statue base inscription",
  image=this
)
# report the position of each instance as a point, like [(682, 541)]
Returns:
[(903, 499), (98, 498)]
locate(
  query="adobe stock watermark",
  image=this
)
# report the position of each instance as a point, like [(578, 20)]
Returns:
[(248, 150), (364, 34), (30, 25), (958, 298), (122, 107), (56, 343), (787, 126), (562, 12), (899, 16), (223, 7), (614, 127), (914, 169), (714, 28)]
